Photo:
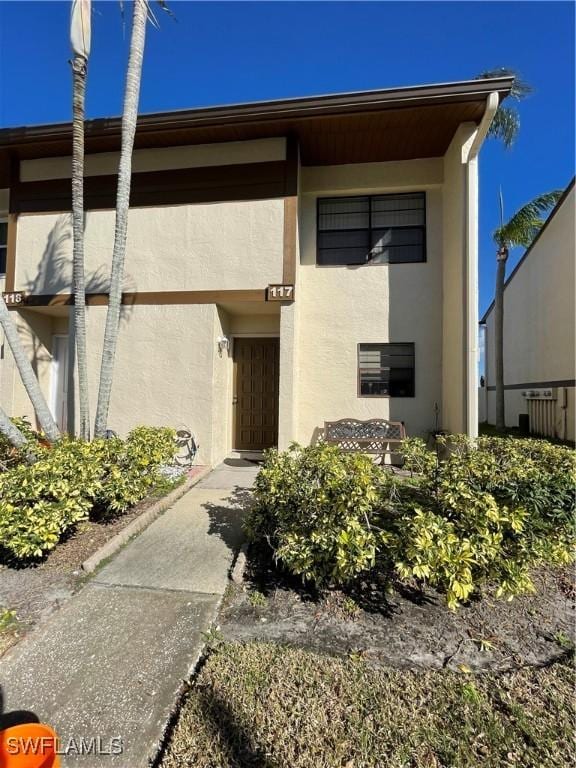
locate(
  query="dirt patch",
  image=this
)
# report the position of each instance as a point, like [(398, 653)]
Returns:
[(393, 625)]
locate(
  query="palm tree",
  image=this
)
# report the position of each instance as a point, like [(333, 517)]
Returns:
[(27, 375), (506, 123), (80, 42), (129, 117), (520, 230)]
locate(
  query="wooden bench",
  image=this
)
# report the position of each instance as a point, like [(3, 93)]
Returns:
[(376, 436)]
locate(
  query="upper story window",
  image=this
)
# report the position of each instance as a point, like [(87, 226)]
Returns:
[(3, 245), (379, 229)]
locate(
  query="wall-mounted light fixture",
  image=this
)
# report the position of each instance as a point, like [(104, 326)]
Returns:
[(223, 344)]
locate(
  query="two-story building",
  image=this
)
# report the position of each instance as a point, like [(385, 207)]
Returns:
[(539, 332), (288, 262)]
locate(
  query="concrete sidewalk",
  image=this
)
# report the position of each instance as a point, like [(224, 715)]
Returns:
[(106, 669)]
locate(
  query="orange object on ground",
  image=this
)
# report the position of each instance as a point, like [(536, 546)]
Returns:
[(30, 745)]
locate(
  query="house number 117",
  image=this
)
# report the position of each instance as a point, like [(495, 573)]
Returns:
[(280, 293)]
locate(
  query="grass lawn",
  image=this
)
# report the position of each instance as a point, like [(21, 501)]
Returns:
[(271, 706)]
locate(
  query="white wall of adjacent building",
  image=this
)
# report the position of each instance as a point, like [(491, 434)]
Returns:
[(539, 323)]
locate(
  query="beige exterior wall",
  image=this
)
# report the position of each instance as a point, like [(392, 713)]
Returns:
[(36, 332), (6, 362), (169, 369), (160, 159), (216, 246), (539, 327), (456, 319), (339, 307)]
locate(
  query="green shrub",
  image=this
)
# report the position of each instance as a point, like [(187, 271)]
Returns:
[(314, 506), (10, 456), (489, 511), (131, 467), (485, 513), (39, 502)]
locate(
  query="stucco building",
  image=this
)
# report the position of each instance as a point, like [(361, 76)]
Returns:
[(539, 331), (288, 262)]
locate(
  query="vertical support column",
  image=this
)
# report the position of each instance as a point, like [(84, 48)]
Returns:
[(471, 292), (11, 253), (288, 394), (288, 400)]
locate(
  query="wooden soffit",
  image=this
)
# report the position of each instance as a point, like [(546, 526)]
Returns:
[(370, 126)]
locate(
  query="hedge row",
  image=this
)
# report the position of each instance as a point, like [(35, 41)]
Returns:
[(72, 479), (485, 514)]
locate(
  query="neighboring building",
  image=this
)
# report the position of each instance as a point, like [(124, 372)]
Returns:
[(539, 331), (360, 208)]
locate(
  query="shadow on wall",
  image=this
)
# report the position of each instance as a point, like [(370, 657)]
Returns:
[(53, 276), (54, 272)]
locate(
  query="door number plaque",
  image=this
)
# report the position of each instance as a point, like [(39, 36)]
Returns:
[(280, 292)]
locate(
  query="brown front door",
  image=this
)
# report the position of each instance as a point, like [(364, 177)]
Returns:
[(256, 393)]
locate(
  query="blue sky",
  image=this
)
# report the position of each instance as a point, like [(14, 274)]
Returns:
[(216, 53)]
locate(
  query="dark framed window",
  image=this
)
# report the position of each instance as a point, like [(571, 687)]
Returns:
[(386, 370), (376, 229), (3, 245)]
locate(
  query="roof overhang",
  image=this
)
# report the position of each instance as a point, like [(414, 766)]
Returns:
[(366, 126)]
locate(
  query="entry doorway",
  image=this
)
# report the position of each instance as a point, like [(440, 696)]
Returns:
[(60, 381), (256, 392)]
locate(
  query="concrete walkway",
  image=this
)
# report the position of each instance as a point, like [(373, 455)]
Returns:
[(106, 669)]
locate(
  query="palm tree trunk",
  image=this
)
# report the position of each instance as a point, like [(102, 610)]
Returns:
[(27, 375), (499, 337), (129, 117), (14, 436), (79, 64)]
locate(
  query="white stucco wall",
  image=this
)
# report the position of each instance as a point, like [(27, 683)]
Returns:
[(216, 246), (36, 334), (5, 361), (168, 368), (340, 307), (539, 327), (167, 371), (456, 303)]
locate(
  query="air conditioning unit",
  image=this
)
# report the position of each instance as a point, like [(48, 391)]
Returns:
[(541, 394), (547, 411)]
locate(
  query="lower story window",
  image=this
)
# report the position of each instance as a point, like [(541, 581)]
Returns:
[(386, 370)]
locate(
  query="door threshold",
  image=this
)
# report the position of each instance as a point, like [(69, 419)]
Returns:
[(247, 455)]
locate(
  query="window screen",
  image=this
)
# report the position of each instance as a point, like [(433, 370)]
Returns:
[(382, 229), (3, 248), (386, 370)]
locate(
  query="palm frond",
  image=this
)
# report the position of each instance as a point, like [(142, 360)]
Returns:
[(525, 224), (164, 5), (520, 88), (151, 16), (505, 125)]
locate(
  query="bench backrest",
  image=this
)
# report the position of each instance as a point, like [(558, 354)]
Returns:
[(371, 436)]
